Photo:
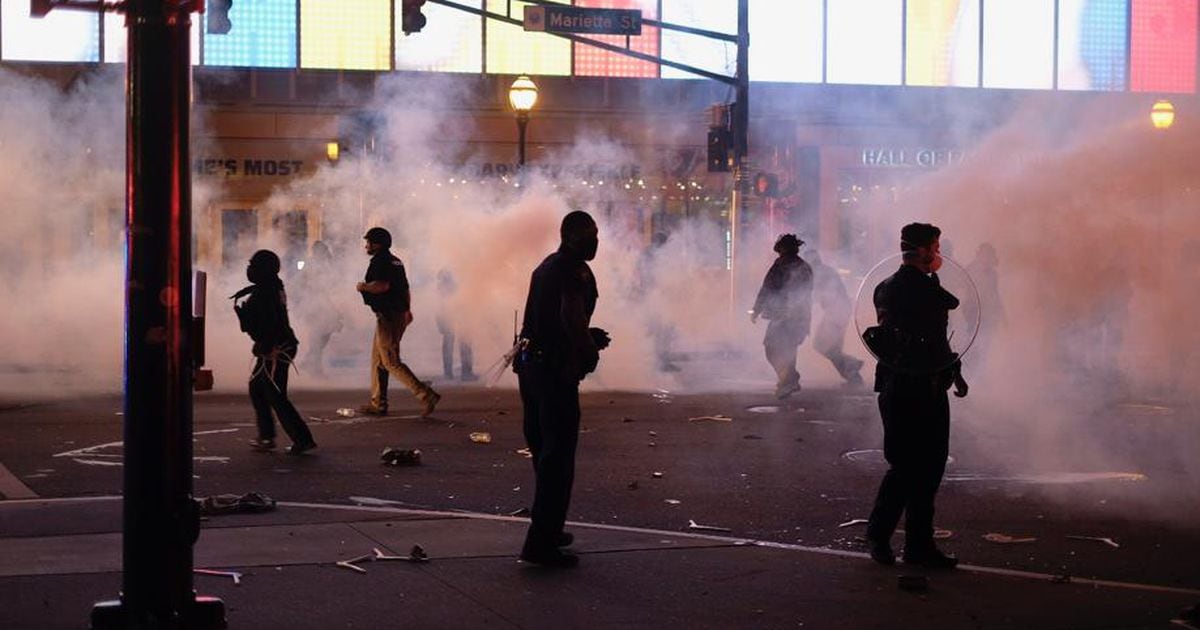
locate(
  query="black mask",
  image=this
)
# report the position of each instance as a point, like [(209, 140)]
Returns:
[(258, 275)]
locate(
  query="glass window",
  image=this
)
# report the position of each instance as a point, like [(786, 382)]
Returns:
[(787, 40), (1163, 39), (594, 62), (346, 34), (263, 35), (1018, 44), (694, 50), (942, 43), (512, 50), (1091, 44), (60, 36), (452, 41), (864, 42)]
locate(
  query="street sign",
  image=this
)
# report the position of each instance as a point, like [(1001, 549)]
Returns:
[(565, 19)]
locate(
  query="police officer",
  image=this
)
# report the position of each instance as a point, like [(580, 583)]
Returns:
[(559, 350), (785, 299), (263, 316), (915, 369), (385, 290)]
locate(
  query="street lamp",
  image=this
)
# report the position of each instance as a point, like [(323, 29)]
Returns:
[(522, 96), (1162, 114)]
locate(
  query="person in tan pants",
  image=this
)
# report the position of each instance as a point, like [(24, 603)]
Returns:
[(385, 290)]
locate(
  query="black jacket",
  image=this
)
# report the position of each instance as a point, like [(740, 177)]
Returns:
[(386, 267), (263, 316), (786, 292), (913, 310), (558, 311)]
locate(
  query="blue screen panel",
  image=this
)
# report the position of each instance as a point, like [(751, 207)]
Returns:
[(263, 35)]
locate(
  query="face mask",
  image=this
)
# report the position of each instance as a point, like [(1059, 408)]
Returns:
[(935, 263), (256, 275), (588, 248)]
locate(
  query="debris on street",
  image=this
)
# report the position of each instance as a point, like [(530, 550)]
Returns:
[(852, 522), (400, 457), (519, 512), (346, 412), (656, 474), (763, 409), (626, 419), (351, 563), (672, 501), (713, 418), (524, 452), (706, 528), (1100, 539), (481, 437), (237, 577), (249, 503), (1005, 539), (417, 554), (942, 534)]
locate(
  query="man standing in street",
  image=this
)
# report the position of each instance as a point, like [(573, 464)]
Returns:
[(916, 367), (829, 339), (785, 299), (385, 290), (558, 349)]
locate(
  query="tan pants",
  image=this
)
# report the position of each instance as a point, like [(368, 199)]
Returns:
[(385, 360)]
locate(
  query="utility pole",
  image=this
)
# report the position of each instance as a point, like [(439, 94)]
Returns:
[(740, 123), (161, 520)]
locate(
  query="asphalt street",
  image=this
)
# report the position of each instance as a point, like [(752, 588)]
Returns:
[(800, 472)]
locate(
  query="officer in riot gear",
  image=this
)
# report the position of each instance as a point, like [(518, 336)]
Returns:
[(916, 367), (557, 350)]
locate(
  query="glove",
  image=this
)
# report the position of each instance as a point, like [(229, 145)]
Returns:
[(600, 338)]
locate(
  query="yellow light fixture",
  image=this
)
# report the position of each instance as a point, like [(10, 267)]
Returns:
[(523, 94), (1162, 114), (332, 151)]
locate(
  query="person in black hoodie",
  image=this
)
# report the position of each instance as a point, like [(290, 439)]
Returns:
[(263, 315)]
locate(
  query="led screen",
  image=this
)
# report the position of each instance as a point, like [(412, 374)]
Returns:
[(1018, 44), (864, 41), (1163, 42), (512, 50), (452, 40), (592, 61), (263, 34), (345, 34), (1091, 44), (788, 40), (60, 36), (693, 50), (942, 43)]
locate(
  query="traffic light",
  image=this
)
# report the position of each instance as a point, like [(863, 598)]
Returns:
[(718, 150), (411, 18), (217, 16)]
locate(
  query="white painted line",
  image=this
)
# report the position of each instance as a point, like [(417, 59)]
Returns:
[(13, 488), (91, 450), (107, 497), (1047, 577)]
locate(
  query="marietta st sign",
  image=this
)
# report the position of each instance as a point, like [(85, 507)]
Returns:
[(565, 19)]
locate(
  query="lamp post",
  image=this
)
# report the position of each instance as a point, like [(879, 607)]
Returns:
[(522, 96)]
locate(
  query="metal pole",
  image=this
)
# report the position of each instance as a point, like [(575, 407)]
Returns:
[(161, 522), (740, 123), (522, 124)]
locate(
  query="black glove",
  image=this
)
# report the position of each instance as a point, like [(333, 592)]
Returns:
[(600, 338)]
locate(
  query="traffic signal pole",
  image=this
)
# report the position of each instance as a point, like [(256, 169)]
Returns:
[(740, 128), (161, 521)]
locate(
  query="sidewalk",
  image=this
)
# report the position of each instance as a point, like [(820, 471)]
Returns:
[(58, 557)]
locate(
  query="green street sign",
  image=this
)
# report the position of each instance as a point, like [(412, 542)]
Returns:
[(564, 19)]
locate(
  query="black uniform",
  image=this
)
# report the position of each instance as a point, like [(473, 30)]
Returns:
[(785, 299), (913, 311), (560, 352), (264, 317)]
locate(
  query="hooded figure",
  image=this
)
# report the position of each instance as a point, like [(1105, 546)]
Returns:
[(263, 315), (785, 299)]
